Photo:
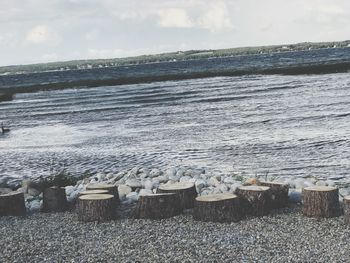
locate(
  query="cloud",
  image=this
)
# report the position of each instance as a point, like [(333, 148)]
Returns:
[(38, 34), (174, 17), (217, 18)]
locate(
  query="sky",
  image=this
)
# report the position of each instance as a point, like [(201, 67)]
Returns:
[(35, 31)]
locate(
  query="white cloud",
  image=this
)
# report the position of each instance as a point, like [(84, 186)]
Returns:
[(38, 34), (174, 17), (217, 18)]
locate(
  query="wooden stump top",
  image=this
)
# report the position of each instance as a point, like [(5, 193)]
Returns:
[(176, 186), (96, 197), (99, 186), (320, 188), (346, 198), (254, 188), (89, 192), (11, 193), (215, 197)]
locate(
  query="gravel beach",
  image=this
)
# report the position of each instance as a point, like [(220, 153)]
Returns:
[(283, 236)]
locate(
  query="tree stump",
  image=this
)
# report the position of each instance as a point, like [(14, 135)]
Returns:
[(12, 204), (93, 192), (158, 206), (255, 200), (54, 199), (278, 194), (320, 201), (112, 189), (185, 190), (96, 207), (217, 208), (346, 202)]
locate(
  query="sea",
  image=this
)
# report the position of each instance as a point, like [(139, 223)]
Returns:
[(282, 114)]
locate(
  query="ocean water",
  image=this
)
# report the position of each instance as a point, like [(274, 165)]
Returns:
[(283, 125)]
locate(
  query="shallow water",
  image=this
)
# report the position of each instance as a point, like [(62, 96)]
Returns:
[(281, 125)]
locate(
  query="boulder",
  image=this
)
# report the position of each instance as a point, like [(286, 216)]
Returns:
[(133, 196), (123, 190), (133, 183), (155, 173)]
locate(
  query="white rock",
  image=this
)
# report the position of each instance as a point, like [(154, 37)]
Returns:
[(133, 183), (123, 190), (180, 173), (162, 178), (223, 188), (69, 189), (308, 183), (344, 192), (149, 185), (192, 180), (321, 183), (133, 196), (200, 184), (134, 171), (295, 195), (234, 186), (175, 178), (33, 192), (73, 196), (35, 205), (100, 177), (171, 172), (330, 183), (93, 181), (188, 172), (145, 192), (213, 181), (229, 180), (155, 173), (185, 178), (110, 176), (156, 183)]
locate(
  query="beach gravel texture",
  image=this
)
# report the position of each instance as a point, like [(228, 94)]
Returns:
[(283, 236)]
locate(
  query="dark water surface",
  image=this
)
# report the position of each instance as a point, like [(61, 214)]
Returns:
[(286, 125)]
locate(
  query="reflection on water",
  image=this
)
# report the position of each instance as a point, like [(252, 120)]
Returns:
[(286, 125)]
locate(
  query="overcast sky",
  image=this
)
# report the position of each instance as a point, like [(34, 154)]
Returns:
[(34, 31)]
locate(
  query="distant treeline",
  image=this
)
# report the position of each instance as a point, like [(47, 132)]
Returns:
[(172, 56)]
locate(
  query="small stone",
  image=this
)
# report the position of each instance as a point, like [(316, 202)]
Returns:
[(35, 205), (33, 192), (69, 189), (133, 183), (123, 190)]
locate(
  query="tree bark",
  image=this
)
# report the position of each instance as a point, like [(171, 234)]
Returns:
[(346, 202), (112, 189), (255, 200), (54, 199), (320, 201), (278, 194), (96, 207), (158, 206), (217, 208), (12, 204), (185, 191)]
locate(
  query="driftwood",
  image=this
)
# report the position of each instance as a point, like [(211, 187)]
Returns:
[(96, 207), (54, 199), (186, 192), (158, 206), (217, 208), (12, 204), (255, 200), (278, 193), (112, 189), (320, 201)]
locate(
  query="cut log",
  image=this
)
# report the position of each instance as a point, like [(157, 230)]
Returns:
[(93, 192), (12, 204), (54, 199), (346, 202), (278, 194), (320, 201), (255, 200), (158, 206), (186, 192), (96, 207), (112, 189), (217, 208)]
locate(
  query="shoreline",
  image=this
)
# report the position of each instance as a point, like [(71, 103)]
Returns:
[(283, 236)]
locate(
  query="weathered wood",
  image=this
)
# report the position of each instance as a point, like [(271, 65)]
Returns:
[(255, 200), (185, 190), (217, 208), (12, 204), (158, 206), (320, 201), (96, 207), (54, 199), (93, 192), (346, 203), (278, 193), (112, 189)]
